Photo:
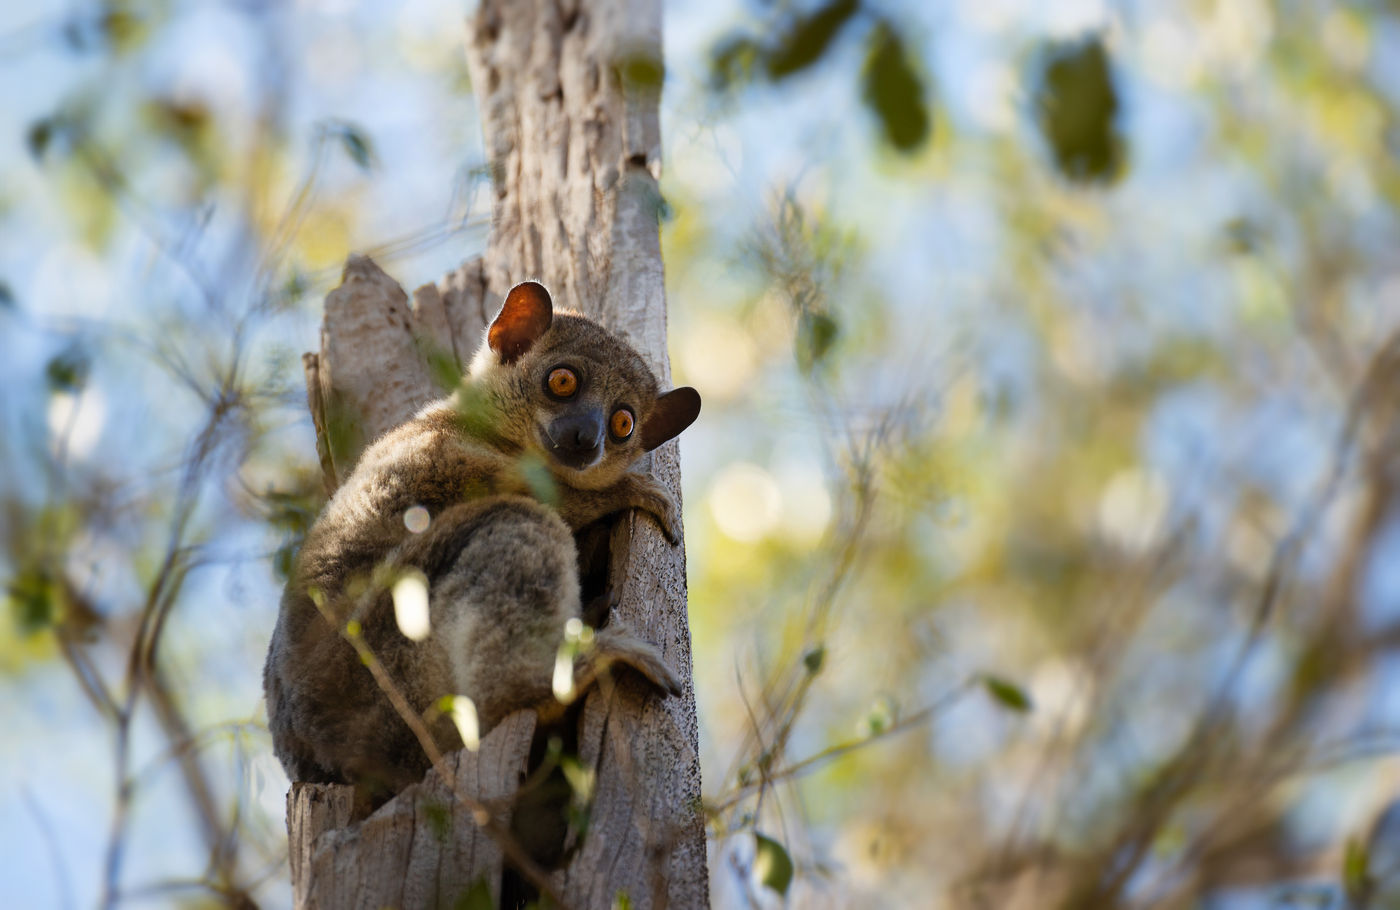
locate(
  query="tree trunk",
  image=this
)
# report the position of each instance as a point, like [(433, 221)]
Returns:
[(569, 96)]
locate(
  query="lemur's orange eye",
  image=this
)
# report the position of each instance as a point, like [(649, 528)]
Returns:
[(562, 382), (621, 423)]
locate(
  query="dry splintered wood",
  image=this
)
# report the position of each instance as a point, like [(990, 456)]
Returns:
[(381, 344), (423, 848), (568, 94)]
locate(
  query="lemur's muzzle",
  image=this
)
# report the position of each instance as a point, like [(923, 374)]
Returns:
[(576, 439)]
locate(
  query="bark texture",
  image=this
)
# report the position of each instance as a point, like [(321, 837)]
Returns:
[(568, 94), (420, 849)]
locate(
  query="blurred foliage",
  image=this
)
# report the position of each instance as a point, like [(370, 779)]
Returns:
[(67, 371), (1007, 693), (892, 86), (642, 71), (292, 512), (772, 864), (1078, 111), (143, 443), (33, 600), (356, 144), (1100, 438), (477, 897), (114, 26), (804, 39)]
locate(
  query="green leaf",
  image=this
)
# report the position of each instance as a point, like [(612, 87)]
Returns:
[(112, 27), (476, 413), (68, 370), (41, 133), (295, 287), (539, 478), (291, 510), (1007, 694), (477, 897), (816, 335), (283, 560), (356, 145), (732, 62), (893, 90), (344, 433), (121, 29), (772, 864), (442, 365), (1077, 106), (808, 39), (1355, 876), (438, 815), (880, 716), (33, 600), (641, 71), (182, 121), (580, 778), (655, 200)]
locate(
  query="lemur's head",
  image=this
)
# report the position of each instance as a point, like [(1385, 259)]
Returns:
[(591, 405)]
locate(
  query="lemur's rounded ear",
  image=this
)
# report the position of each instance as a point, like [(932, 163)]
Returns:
[(524, 317), (673, 412)]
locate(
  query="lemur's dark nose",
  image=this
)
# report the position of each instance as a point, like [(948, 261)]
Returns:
[(577, 432)]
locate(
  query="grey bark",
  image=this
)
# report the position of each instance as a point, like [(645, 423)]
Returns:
[(419, 850), (568, 94)]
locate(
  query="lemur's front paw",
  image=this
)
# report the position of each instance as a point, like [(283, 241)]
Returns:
[(656, 501)]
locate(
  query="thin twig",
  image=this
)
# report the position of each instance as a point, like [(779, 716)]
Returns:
[(60, 868), (813, 761)]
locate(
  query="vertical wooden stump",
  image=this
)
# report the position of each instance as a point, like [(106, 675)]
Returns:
[(569, 99), (423, 848)]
